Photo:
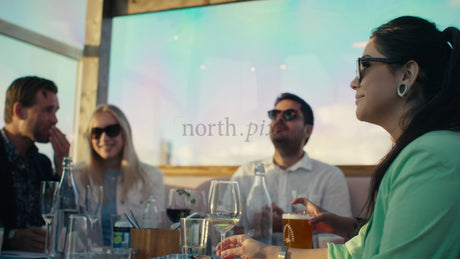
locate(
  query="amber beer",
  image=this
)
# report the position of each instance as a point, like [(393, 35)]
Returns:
[(297, 232)]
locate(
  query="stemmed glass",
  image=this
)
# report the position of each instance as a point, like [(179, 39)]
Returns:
[(93, 206), (224, 206), (199, 202), (179, 204), (48, 192)]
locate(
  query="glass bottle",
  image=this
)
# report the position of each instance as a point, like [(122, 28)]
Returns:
[(259, 213), (151, 217), (66, 205)]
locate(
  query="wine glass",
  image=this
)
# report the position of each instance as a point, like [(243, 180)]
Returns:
[(48, 192), (224, 206), (179, 204), (93, 206), (199, 202)]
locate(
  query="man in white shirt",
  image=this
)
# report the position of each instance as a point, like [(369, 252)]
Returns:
[(291, 173)]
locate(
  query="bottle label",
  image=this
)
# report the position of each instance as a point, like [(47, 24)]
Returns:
[(120, 238)]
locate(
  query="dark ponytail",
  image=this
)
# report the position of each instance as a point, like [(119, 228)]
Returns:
[(451, 37)]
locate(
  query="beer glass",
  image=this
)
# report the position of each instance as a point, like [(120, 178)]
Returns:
[(297, 231)]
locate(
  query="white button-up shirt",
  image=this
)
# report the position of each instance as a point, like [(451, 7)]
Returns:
[(321, 183)]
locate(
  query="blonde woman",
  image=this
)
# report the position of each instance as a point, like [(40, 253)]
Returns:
[(113, 163)]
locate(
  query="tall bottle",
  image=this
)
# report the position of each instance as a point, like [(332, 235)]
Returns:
[(151, 217), (259, 213), (66, 204)]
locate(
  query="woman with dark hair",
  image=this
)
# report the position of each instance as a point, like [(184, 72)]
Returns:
[(408, 82)]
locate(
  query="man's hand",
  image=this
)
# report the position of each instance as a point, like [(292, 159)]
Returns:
[(260, 220), (325, 221), (28, 239), (277, 218), (312, 209), (61, 147)]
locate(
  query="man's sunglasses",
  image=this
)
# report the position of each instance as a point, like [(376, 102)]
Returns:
[(111, 131), (288, 115)]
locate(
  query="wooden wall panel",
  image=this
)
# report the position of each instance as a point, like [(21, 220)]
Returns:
[(127, 7), (90, 75), (227, 171)]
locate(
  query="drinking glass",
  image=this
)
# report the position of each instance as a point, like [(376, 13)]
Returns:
[(179, 204), (48, 190), (224, 206), (93, 206), (76, 243), (194, 235)]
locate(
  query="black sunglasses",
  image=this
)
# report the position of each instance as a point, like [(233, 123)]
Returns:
[(288, 115), (111, 131), (363, 63)]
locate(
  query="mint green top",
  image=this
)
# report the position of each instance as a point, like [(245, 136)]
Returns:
[(417, 211)]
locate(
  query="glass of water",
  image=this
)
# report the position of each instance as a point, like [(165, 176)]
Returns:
[(194, 234)]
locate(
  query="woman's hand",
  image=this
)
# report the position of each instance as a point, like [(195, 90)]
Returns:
[(245, 247)]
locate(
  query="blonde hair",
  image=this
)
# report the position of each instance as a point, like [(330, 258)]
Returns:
[(131, 171)]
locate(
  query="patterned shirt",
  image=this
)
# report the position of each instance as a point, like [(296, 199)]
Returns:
[(26, 184)]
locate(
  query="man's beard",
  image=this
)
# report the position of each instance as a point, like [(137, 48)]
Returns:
[(41, 137), (285, 145)]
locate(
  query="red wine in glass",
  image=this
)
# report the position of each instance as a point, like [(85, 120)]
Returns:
[(179, 204), (176, 214)]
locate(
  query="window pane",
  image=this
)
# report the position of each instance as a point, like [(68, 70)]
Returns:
[(18, 59), (62, 20), (201, 80)]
